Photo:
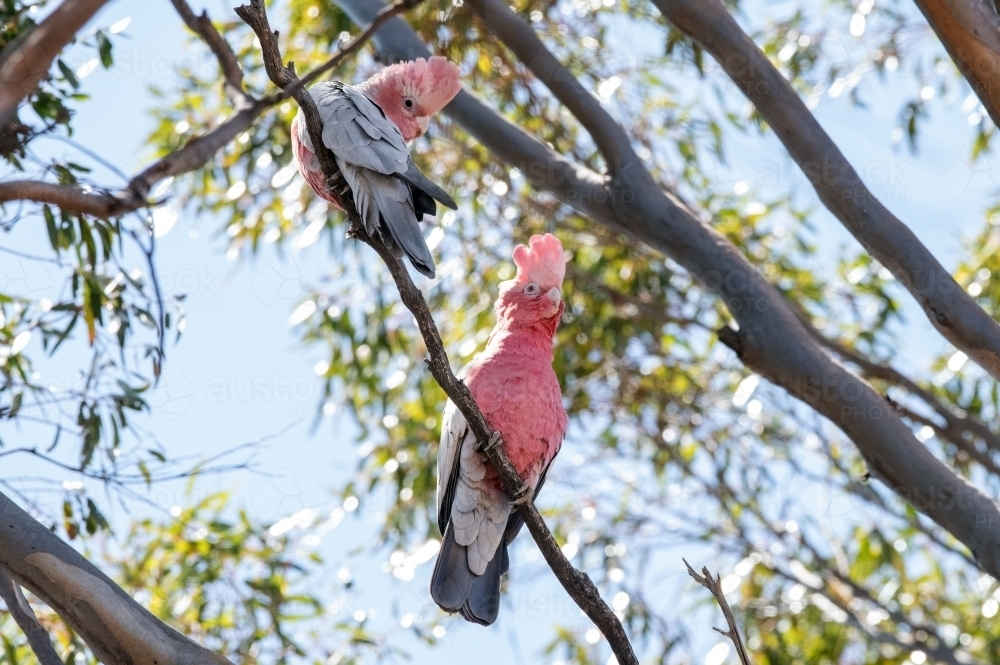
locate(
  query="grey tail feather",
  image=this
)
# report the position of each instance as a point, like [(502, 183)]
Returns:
[(407, 236), (423, 204), (452, 578), (415, 177), (455, 588), (399, 219)]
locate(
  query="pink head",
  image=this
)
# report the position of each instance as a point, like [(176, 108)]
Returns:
[(534, 295), (411, 92)]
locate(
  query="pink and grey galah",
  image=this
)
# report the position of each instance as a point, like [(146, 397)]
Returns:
[(367, 128), (514, 384)]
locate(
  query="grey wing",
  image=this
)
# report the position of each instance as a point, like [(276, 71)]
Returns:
[(379, 196), (454, 429), (357, 131), (364, 195), (416, 177)]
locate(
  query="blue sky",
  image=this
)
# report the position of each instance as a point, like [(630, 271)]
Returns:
[(238, 329)]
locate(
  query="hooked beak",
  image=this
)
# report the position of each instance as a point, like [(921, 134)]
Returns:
[(423, 121), (554, 295)]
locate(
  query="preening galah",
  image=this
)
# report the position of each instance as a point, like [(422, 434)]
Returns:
[(367, 128), (513, 383)]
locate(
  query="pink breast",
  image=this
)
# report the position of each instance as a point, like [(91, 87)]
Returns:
[(524, 405), (309, 166)]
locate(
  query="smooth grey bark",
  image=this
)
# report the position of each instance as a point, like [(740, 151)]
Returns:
[(770, 340), (117, 629), (952, 311), (970, 31), (24, 617)]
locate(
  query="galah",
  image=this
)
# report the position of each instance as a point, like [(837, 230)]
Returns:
[(367, 128), (514, 384)]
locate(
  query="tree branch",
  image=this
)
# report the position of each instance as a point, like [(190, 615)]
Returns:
[(67, 197), (873, 370), (105, 205), (577, 584), (714, 584), (970, 31), (612, 141), (24, 617), (948, 307), (26, 61), (231, 73), (770, 340), (117, 629)]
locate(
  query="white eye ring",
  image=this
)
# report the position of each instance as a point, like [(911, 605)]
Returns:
[(532, 289)]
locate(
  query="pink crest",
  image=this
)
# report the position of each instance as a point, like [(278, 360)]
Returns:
[(542, 262), (435, 80)]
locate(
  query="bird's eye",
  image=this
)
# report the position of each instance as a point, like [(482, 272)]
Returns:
[(532, 289), (409, 103)]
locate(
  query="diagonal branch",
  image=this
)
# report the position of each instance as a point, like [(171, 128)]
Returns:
[(117, 629), (232, 75), (948, 307), (954, 422), (578, 584), (714, 584), (26, 61), (970, 31), (612, 141), (770, 340), (24, 617)]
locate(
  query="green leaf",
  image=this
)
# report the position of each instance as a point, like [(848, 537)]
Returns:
[(144, 470), (15, 405), (68, 73), (104, 49), (50, 225)]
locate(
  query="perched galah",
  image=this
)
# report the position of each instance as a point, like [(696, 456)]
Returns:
[(367, 128), (513, 383)]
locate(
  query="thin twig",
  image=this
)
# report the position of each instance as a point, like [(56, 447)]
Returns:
[(577, 584), (714, 584), (228, 63), (24, 617)]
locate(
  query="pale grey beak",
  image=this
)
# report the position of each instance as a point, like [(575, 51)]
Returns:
[(423, 121), (554, 295)]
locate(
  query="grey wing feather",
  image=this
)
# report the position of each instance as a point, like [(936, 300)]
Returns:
[(356, 129), (415, 177), (386, 205), (396, 205), (364, 197), (482, 604), (452, 578), (454, 429)]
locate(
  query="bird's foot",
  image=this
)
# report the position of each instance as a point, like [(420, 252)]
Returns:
[(494, 441), (523, 496)]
